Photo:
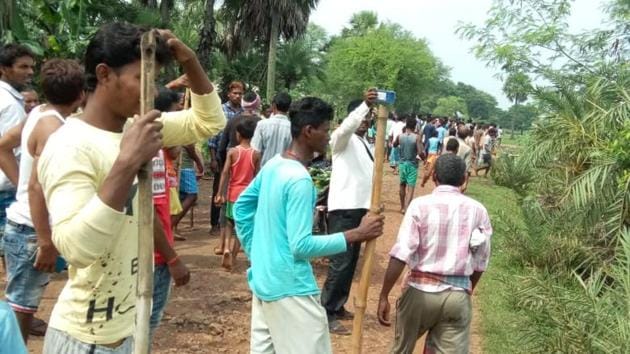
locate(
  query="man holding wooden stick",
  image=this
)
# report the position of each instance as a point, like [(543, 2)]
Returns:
[(277, 237), (348, 201), (88, 171)]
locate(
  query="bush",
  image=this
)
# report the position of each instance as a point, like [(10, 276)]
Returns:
[(579, 316), (512, 172)]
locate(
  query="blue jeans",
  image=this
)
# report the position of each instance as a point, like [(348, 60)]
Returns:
[(6, 198), (25, 284), (161, 292)]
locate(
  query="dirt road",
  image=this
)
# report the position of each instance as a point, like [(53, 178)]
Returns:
[(212, 313)]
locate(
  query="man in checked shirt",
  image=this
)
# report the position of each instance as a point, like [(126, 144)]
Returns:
[(444, 238)]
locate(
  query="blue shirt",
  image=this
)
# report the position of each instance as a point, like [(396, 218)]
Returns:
[(427, 131), (277, 237), (230, 112), (10, 335), (441, 133), (434, 144)]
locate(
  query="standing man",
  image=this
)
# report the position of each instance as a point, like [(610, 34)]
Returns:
[(437, 242), (277, 238), (273, 135), (231, 108), (348, 201), (410, 147), (16, 71), (427, 132), (29, 251), (88, 171), (465, 152)]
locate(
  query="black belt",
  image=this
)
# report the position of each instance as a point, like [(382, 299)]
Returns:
[(20, 227)]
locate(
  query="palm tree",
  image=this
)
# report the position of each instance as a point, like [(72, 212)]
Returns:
[(267, 20), (206, 34), (361, 23), (517, 87), (301, 58)]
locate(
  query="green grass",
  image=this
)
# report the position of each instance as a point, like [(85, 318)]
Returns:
[(501, 323), (518, 140)]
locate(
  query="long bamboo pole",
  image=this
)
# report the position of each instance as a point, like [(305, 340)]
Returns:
[(144, 292), (375, 205)]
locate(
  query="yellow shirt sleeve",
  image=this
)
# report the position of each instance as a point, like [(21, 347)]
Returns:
[(83, 226), (202, 120)]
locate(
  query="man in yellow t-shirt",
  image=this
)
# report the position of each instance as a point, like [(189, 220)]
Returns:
[(88, 173)]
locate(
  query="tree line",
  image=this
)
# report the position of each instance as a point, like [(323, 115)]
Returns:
[(271, 45)]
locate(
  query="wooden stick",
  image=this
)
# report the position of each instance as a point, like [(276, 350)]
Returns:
[(144, 291), (375, 206)]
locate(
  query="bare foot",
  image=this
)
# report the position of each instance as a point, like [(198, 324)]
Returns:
[(227, 260), (402, 211), (218, 251)]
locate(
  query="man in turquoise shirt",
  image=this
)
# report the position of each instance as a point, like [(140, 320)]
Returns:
[(287, 316)]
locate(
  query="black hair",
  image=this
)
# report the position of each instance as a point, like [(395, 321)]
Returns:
[(282, 101), (118, 44), (450, 169), (353, 105), (452, 145), (250, 96), (308, 111), (10, 52), (434, 133), (246, 128), (62, 81), (452, 131), (463, 132), (165, 99), (410, 123)]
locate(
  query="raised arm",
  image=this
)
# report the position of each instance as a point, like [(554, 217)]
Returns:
[(205, 116), (341, 136)]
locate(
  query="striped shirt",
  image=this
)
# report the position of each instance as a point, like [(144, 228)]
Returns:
[(272, 137), (434, 240)]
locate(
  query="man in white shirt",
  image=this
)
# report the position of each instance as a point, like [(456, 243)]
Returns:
[(30, 253), (16, 71), (348, 201)]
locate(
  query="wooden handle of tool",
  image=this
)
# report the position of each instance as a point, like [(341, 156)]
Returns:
[(144, 291), (360, 300)]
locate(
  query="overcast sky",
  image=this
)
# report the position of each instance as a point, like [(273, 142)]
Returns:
[(436, 20)]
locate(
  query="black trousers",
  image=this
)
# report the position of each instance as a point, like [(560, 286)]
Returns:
[(342, 265), (215, 210)]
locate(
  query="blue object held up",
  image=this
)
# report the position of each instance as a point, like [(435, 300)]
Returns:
[(386, 97)]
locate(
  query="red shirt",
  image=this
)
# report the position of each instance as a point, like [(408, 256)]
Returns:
[(161, 200), (241, 173)]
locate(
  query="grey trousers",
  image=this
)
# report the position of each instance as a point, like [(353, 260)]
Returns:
[(58, 342)]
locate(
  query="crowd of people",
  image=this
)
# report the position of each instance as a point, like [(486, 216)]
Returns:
[(69, 191)]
